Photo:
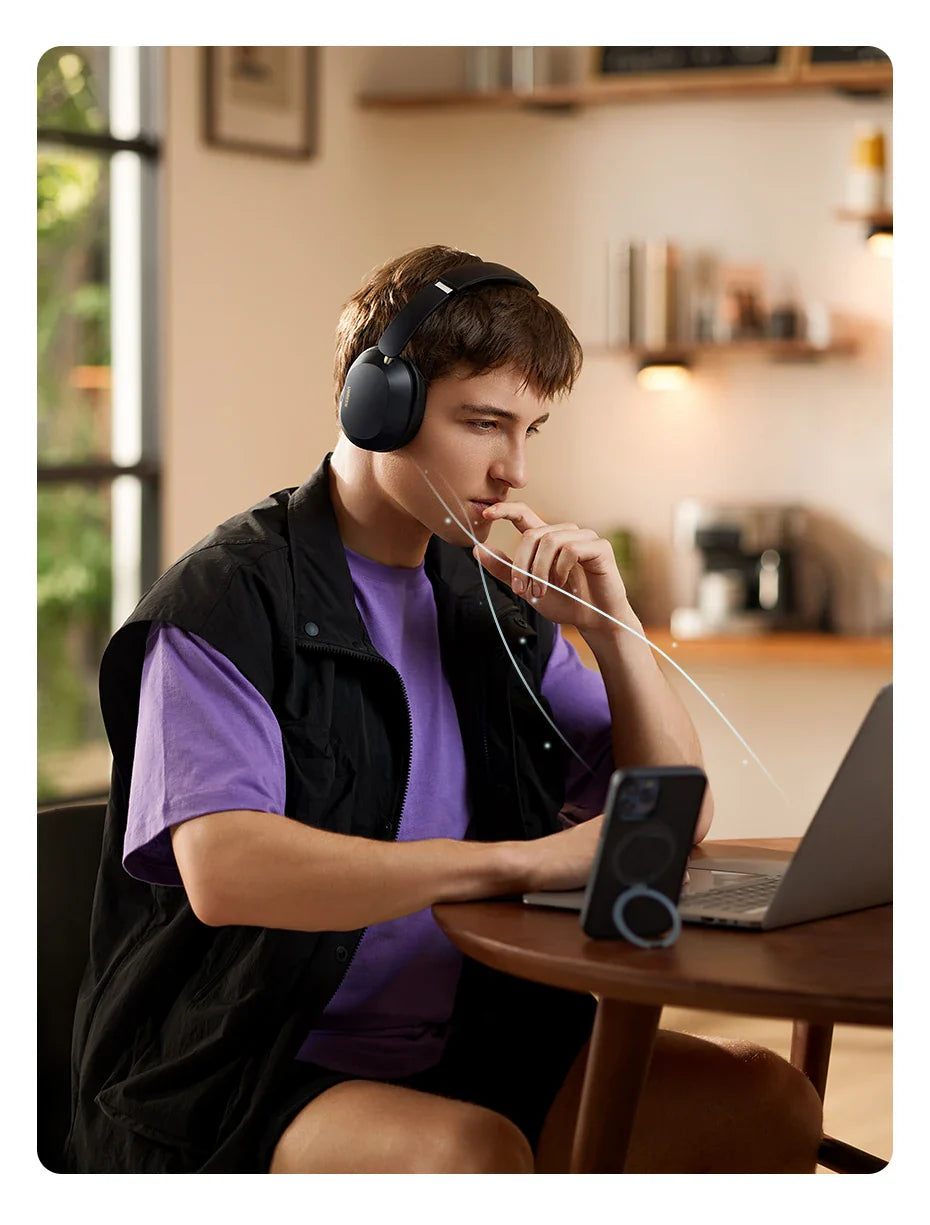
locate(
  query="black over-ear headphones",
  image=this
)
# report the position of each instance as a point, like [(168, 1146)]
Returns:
[(382, 402)]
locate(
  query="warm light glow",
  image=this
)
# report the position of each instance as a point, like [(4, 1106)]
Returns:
[(664, 378), (882, 244)]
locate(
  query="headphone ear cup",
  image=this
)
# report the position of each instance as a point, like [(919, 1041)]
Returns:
[(382, 402), (363, 401), (417, 402)]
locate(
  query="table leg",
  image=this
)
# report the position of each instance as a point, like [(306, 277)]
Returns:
[(810, 1051), (618, 1060)]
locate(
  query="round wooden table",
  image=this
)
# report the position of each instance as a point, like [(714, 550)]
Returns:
[(835, 970)]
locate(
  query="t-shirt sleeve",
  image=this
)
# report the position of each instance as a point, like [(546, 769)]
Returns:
[(207, 741), (578, 700)]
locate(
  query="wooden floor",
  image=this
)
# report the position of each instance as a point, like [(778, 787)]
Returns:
[(857, 1107)]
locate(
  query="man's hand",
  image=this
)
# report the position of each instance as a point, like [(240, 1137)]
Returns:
[(559, 555), (562, 860)]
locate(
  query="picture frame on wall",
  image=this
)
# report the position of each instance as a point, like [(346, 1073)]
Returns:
[(261, 100)]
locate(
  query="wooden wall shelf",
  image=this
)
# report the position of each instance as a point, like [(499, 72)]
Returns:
[(597, 93), (600, 90), (883, 216), (777, 350), (827, 650)]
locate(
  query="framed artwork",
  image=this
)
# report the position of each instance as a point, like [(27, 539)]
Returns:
[(261, 100)]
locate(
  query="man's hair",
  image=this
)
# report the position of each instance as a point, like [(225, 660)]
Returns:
[(480, 329)]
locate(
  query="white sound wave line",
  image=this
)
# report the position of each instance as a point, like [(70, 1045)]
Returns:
[(516, 666), (628, 628)]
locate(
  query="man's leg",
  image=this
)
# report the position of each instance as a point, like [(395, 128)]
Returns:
[(367, 1127), (708, 1106)]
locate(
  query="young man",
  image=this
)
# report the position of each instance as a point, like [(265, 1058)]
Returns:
[(318, 733)]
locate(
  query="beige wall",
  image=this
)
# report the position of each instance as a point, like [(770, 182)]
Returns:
[(260, 255)]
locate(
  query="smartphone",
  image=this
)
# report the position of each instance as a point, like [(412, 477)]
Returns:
[(639, 866)]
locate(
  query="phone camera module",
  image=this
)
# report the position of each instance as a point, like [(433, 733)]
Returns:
[(648, 794), (628, 802), (638, 800)]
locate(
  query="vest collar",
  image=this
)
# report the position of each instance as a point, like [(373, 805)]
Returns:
[(325, 612)]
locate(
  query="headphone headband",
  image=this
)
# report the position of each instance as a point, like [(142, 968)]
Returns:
[(399, 331)]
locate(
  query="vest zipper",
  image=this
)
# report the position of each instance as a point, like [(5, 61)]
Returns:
[(484, 734)]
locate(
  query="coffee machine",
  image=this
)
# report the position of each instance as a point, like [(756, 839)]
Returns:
[(744, 570)]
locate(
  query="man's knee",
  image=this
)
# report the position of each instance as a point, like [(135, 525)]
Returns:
[(713, 1105), (473, 1140), (367, 1127), (787, 1108)]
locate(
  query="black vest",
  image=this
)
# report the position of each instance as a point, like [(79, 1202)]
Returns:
[(182, 1031)]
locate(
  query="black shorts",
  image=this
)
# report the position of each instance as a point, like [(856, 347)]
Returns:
[(510, 1047)]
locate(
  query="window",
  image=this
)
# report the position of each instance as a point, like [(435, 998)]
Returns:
[(98, 472)]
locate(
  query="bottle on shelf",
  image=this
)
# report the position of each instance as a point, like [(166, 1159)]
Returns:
[(705, 299), (486, 69), (818, 324), (865, 182), (784, 318), (529, 68)]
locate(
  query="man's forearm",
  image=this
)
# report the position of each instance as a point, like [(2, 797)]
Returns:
[(265, 870), (650, 724)]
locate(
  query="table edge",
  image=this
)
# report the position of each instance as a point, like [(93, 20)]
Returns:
[(742, 1001)]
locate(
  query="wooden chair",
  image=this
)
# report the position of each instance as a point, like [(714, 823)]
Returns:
[(810, 1051), (68, 856)]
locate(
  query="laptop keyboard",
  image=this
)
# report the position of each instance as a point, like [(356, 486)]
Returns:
[(736, 899)]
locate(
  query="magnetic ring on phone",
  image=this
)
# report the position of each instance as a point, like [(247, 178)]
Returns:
[(643, 853), (661, 941)]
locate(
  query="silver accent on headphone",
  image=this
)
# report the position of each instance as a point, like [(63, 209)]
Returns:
[(444, 288)]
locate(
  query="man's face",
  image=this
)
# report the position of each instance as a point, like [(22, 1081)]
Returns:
[(471, 446)]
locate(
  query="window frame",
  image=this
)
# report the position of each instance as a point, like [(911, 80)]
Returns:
[(148, 146)]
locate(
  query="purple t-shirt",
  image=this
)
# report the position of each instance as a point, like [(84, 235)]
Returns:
[(208, 742)]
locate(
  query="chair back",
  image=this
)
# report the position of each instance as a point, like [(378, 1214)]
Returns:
[(68, 856)]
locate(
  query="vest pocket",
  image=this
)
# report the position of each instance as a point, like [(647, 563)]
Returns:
[(320, 777), (178, 1155), (227, 947)]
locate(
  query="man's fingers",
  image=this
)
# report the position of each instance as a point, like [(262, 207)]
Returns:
[(534, 554), (523, 556), (502, 569), (520, 515), (545, 557), (559, 550)]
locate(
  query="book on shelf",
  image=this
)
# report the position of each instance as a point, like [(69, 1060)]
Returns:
[(646, 306)]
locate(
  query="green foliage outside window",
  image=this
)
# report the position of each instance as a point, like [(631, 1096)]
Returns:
[(73, 329), (70, 89)]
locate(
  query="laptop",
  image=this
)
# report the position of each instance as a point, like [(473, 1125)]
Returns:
[(843, 862)]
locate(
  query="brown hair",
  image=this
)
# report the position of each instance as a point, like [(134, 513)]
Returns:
[(483, 328)]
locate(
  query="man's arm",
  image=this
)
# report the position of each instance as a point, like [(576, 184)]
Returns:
[(649, 724), (265, 870), (571, 575)]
